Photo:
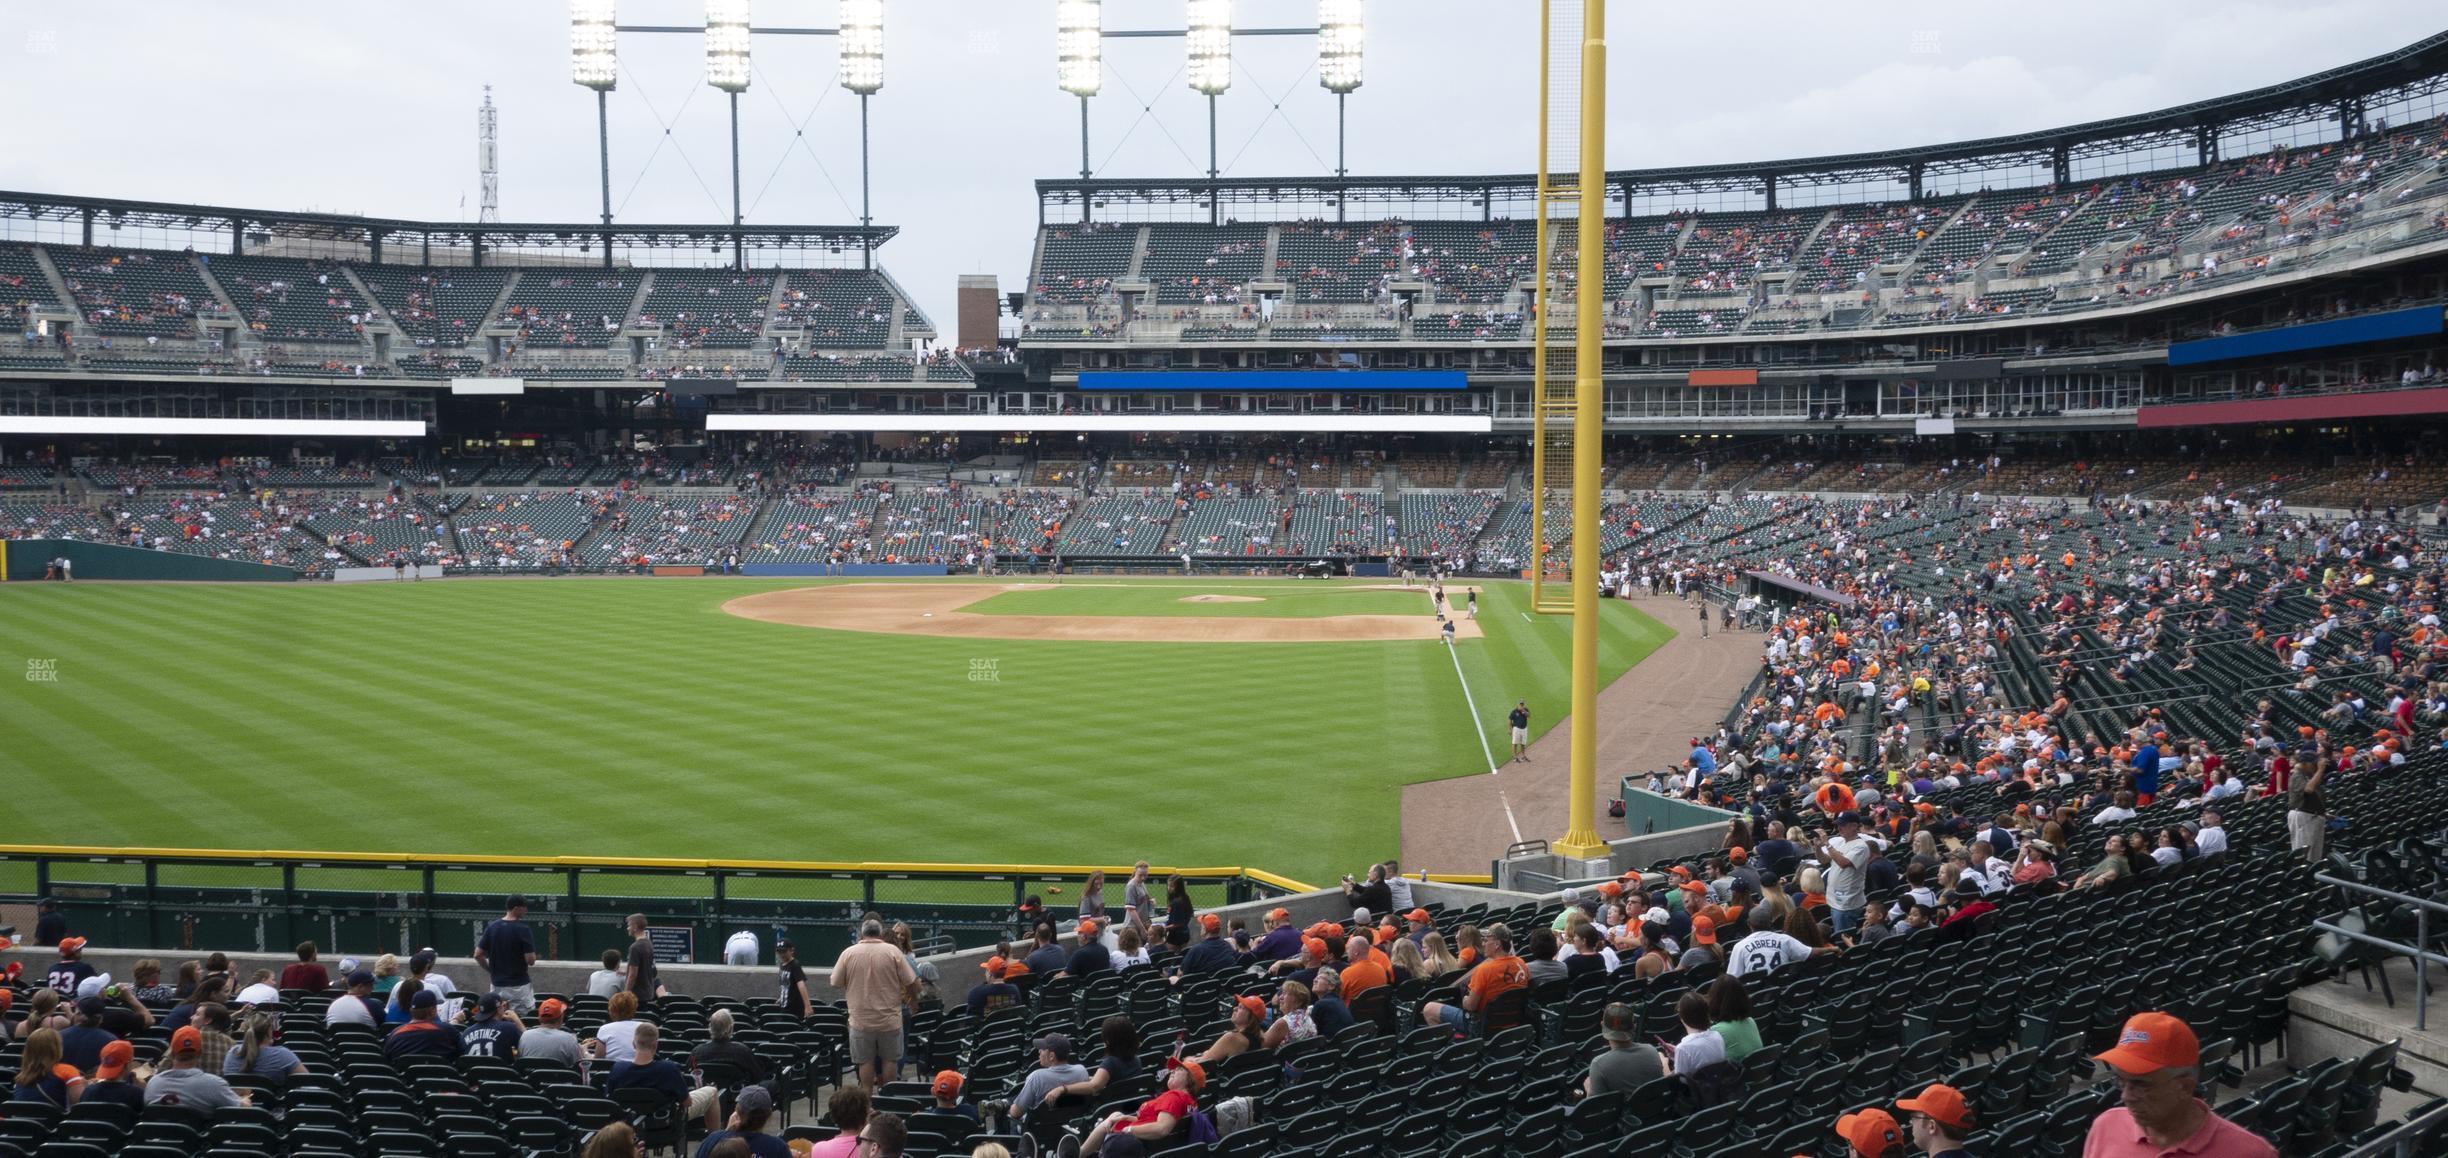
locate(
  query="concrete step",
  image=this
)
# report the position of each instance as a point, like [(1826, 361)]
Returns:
[(2342, 1019)]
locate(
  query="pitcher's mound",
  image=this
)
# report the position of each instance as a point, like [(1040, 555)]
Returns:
[(1221, 599)]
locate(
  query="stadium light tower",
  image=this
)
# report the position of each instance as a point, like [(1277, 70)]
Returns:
[(1340, 34), (726, 45), (595, 63), (862, 72), (1079, 59), (1210, 41)]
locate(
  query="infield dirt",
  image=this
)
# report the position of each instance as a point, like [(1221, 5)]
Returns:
[(935, 609)]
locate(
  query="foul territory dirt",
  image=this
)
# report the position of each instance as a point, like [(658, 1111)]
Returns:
[(935, 609)]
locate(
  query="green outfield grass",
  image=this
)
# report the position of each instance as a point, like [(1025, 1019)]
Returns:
[(1275, 599), (635, 718)]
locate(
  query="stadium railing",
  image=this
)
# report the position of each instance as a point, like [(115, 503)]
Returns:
[(182, 900)]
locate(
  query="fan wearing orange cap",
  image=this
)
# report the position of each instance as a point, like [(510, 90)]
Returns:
[(995, 990), (1248, 1032), (186, 1082), (948, 1103), (1872, 1133), (1123, 1135), (1938, 1120), (2158, 1068)]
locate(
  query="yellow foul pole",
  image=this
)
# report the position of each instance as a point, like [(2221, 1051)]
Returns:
[(1589, 417)]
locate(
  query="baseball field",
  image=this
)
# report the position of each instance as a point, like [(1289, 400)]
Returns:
[(1191, 721)]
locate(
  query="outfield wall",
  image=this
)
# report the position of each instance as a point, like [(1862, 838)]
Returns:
[(26, 558)]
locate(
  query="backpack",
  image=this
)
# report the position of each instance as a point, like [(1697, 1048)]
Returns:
[(1202, 1128)]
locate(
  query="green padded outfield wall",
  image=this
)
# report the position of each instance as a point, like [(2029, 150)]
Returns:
[(26, 559)]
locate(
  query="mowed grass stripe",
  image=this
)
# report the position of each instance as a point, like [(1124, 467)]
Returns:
[(635, 717)]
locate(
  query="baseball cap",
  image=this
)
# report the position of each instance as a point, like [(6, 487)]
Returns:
[(1420, 915), (782, 946), (90, 1006), (1088, 928), (490, 1004), (1845, 818), (551, 1009), (1198, 1073), (1704, 931), (1619, 1022), (188, 1040), (360, 977), (2152, 1042), (1210, 922), (517, 901), (1738, 854), (115, 1059), (1060, 1044), (755, 1099), (1942, 1102), (996, 966), (425, 999), (1314, 946), (948, 1084), (422, 960), (72, 944), (1255, 1005), (93, 986), (1279, 914), (1763, 917), (1872, 1131)]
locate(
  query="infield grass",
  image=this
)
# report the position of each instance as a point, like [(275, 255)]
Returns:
[(633, 717)]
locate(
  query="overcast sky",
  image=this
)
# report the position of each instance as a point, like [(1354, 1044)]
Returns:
[(371, 108)]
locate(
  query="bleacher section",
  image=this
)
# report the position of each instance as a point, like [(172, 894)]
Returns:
[(434, 307), (708, 309), (1337, 263), (134, 292), (1080, 262), (570, 309), (836, 308), (22, 287), (1202, 263), (291, 301)]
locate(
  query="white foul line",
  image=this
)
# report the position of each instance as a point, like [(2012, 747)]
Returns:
[(1484, 750)]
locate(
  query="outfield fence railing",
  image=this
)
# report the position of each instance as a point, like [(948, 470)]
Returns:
[(363, 904)]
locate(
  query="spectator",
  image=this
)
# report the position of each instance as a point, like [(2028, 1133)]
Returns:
[(603, 982), (1213, 953), (147, 977), (848, 1111), (547, 1040), (1328, 1010), (421, 970), (948, 1103), (885, 1136), (50, 925), (795, 1000), (81, 1043), (1293, 1021), (1939, 1120), (995, 990), (1131, 948), (1439, 959), (70, 968), (358, 1006), (1138, 905), (876, 980), (1048, 958), (43, 1077), (1541, 965), (116, 1080), (1371, 894), (2158, 1069), (619, 1140), (1871, 1133), (1766, 949), (724, 1048), (1365, 968), (645, 1071), (506, 951), (307, 975), (495, 1031), (1701, 1046), (615, 1039), (1056, 1068), (2211, 840), (186, 1082), (1280, 942), (215, 1023), (1119, 1064), (1730, 1015), (1500, 974), (639, 977), (258, 1051), (424, 1034), (1092, 956), (387, 976), (747, 1124), (1628, 1063), (1248, 1032), (1178, 909), (261, 991), (2307, 818), (206, 992), (1128, 1135), (1092, 897)]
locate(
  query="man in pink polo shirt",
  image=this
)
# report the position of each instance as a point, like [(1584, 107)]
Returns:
[(2158, 1065)]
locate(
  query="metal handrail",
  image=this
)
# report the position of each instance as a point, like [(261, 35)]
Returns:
[(2419, 950), (2403, 1138)]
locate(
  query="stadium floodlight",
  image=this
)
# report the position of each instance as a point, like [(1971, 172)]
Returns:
[(1210, 40), (726, 44), (1079, 46), (862, 46), (1339, 37), (594, 52)]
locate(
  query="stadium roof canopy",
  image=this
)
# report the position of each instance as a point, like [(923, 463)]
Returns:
[(60, 219), (2402, 85)]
